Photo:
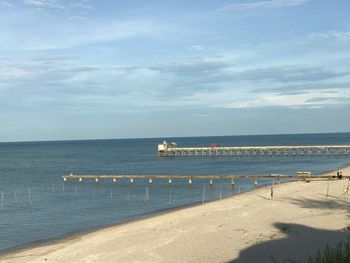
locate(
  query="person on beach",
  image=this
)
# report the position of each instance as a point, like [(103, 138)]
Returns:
[(272, 192), (339, 175)]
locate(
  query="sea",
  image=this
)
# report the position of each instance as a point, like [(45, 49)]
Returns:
[(37, 206)]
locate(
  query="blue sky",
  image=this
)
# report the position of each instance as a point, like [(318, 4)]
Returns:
[(83, 69)]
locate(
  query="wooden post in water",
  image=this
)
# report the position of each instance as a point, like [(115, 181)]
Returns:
[(203, 195), (29, 197), (170, 196), (2, 199), (147, 198)]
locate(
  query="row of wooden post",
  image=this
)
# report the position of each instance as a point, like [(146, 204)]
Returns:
[(150, 181)]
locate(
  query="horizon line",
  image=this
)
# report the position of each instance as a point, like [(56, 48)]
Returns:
[(167, 137)]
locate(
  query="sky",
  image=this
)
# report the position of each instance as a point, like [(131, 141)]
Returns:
[(93, 69)]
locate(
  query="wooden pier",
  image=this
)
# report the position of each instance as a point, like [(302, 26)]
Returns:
[(190, 178), (171, 150)]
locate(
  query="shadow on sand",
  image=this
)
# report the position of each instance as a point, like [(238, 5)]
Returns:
[(294, 242)]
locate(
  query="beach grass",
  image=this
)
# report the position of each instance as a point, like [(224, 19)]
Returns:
[(338, 254)]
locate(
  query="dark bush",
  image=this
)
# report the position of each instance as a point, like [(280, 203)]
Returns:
[(338, 254)]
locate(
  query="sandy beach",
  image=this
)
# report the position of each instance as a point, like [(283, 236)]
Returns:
[(251, 227)]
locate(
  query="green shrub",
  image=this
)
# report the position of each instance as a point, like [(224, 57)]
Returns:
[(338, 254)]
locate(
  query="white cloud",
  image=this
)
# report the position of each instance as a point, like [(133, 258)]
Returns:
[(336, 35), (306, 99), (77, 18), (40, 2), (74, 8), (200, 115), (196, 48), (6, 3), (262, 4), (78, 34)]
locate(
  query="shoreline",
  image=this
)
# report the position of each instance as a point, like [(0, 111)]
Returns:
[(76, 235), (56, 243)]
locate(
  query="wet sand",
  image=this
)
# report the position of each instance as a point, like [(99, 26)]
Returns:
[(251, 227)]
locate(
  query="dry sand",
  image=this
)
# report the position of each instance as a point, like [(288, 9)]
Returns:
[(246, 228)]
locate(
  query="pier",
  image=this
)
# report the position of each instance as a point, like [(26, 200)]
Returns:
[(306, 176), (171, 150)]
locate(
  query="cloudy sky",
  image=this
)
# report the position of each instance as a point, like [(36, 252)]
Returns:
[(80, 69)]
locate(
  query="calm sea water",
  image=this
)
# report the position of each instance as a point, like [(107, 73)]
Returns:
[(36, 206)]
